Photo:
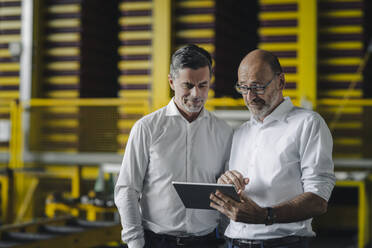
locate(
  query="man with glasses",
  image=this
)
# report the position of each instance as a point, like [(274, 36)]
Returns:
[(281, 163), (179, 142)]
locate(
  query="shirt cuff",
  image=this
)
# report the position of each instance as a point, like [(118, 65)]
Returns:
[(137, 243)]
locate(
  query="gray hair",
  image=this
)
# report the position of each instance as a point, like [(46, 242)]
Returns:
[(190, 56)]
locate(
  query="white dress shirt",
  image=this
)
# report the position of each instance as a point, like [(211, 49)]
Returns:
[(287, 154), (164, 147)]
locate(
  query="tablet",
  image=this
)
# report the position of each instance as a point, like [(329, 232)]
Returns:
[(196, 195)]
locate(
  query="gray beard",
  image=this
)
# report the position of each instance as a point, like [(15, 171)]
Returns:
[(266, 109)]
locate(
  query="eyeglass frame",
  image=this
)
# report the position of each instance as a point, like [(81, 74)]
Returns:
[(254, 88)]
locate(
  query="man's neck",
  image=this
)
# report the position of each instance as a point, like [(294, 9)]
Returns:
[(190, 117)]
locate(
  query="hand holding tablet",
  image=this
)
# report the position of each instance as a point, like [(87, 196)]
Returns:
[(196, 195)]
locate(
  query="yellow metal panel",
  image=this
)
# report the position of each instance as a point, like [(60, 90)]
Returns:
[(63, 51), (340, 61), (134, 65), (347, 125), (135, 35), (291, 77), (161, 52), (342, 30), (63, 65), (63, 80), (278, 46), (126, 123), (277, 15), (130, 50), (62, 123), (62, 23), (63, 94), (195, 4), (122, 138), (288, 61), (136, 5), (278, 31), (4, 53), (133, 109), (342, 45), (197, 18), (130, 79), (133, 20), (9, 94), (290, 93), (10, 24), (201, 33), (65, 8), (63, 37), (342, 13), (348, 141), (9, 67), (9, 11), (61, 137), (307, 51), (9, 80), (340, 93), (9, 38)]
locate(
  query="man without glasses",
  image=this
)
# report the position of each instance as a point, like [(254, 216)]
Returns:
[(180, 142)]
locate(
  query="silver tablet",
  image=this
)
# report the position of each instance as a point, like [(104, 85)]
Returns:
[(196, 195)]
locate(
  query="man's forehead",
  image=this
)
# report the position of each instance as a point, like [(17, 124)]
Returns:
[(254, 71), (195, 75)]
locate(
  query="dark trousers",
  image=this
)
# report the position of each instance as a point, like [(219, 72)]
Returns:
[(304, 243), (153, 240)]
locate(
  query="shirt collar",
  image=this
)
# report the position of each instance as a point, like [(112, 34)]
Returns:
[(172, 110), (279, 113)]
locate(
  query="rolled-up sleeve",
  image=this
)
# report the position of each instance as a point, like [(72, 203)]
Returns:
[(316, 157), (129, 185)]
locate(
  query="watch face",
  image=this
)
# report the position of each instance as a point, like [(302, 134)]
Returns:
[(270, 217)]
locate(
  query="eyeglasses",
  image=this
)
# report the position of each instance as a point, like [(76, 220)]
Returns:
[(256, 89)]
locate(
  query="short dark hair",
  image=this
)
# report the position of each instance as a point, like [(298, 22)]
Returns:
[(272, 61), (190, 56)]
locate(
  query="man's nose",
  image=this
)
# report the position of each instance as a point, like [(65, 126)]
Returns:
[(251, 94), (195, 91)]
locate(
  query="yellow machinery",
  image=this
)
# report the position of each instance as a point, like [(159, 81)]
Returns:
[(59, 232), (58, 144)]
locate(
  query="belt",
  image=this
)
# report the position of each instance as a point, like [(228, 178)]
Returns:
[(247, 243), (183, 241)]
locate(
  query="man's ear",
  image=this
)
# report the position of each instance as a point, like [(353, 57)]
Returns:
[(170, 80), (281, 81)]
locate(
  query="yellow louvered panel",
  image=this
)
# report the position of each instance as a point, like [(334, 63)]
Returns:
[(194, 24), (10, 31), (62, 50), (340, 45), (135, 65), (135, 50), (278, 32)]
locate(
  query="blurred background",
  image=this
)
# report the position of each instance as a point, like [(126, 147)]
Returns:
[(76, 74)]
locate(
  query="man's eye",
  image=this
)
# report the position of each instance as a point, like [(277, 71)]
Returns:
[(202, 85), (187, 86)]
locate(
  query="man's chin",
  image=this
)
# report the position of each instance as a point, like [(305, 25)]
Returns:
[(194, 109)]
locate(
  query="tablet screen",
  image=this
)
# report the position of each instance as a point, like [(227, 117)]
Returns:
[(196, 195)]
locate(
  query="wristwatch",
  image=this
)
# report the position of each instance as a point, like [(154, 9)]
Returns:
[(270, 217)]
